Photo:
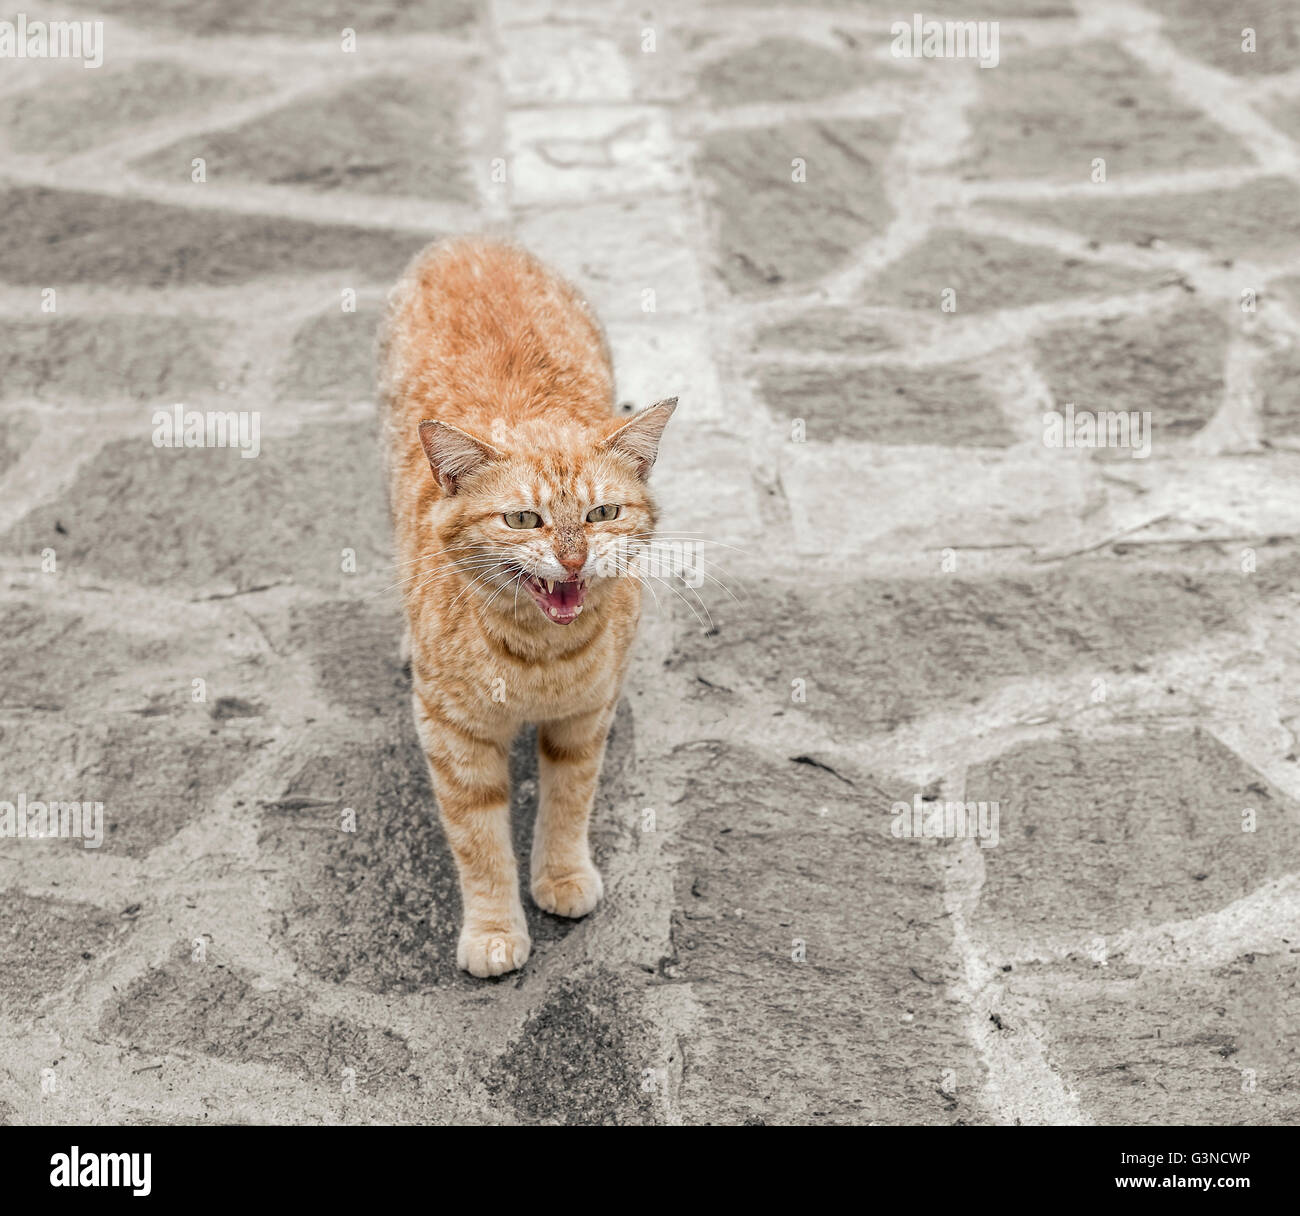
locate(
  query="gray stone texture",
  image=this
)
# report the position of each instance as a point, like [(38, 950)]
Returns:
[(909, 597)]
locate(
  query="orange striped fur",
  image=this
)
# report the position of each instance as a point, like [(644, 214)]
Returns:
[(498, 396)]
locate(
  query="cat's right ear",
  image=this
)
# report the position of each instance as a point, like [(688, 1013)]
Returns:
[(638, 438), (454, 454)]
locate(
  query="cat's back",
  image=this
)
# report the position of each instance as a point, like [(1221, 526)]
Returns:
[(479, 331)]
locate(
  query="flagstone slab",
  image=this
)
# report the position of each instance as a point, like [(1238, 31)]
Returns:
[(97, 238), (49, 943), (1209, 32), (983, 273), (1102, 836), (197, 517), (191, 1008), (1258, 221), (774, 231), (119, 99), (876, 653), (17, 430), (834, 331), (296, 18), (332, 358), (1280, 396), (1164, 1046), (389, 135), (1105, 105), (138, 357), (882, 404), (97, 664), (579, 154), (1170, 364), (787, 69), (157, 778), (585, 1057), (817, 949)]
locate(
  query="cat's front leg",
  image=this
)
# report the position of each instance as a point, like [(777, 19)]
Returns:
[(471, 778), (570, 751)]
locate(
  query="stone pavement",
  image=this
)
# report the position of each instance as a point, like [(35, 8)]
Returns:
[(868, 278)]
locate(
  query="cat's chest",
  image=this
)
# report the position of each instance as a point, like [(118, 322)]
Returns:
[(494, 691), (560, 689)]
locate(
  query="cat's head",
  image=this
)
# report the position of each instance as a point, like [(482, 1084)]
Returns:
[(554, 511)]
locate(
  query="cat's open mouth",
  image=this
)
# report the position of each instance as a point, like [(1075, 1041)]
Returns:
[(560, 601)]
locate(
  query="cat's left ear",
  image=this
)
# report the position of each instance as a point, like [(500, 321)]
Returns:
[(638, 438)]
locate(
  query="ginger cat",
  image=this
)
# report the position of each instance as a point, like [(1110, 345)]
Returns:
[(518, 501)]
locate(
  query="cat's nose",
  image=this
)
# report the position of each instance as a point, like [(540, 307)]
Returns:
[(571, 561)]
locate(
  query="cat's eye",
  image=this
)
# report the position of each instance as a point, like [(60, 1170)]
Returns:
[(602, 515), (523, 519)]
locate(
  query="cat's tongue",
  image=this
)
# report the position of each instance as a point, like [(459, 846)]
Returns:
[(561, 602)]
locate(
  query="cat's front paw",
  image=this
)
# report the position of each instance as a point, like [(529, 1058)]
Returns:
[(568, 892), (485, 952)]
